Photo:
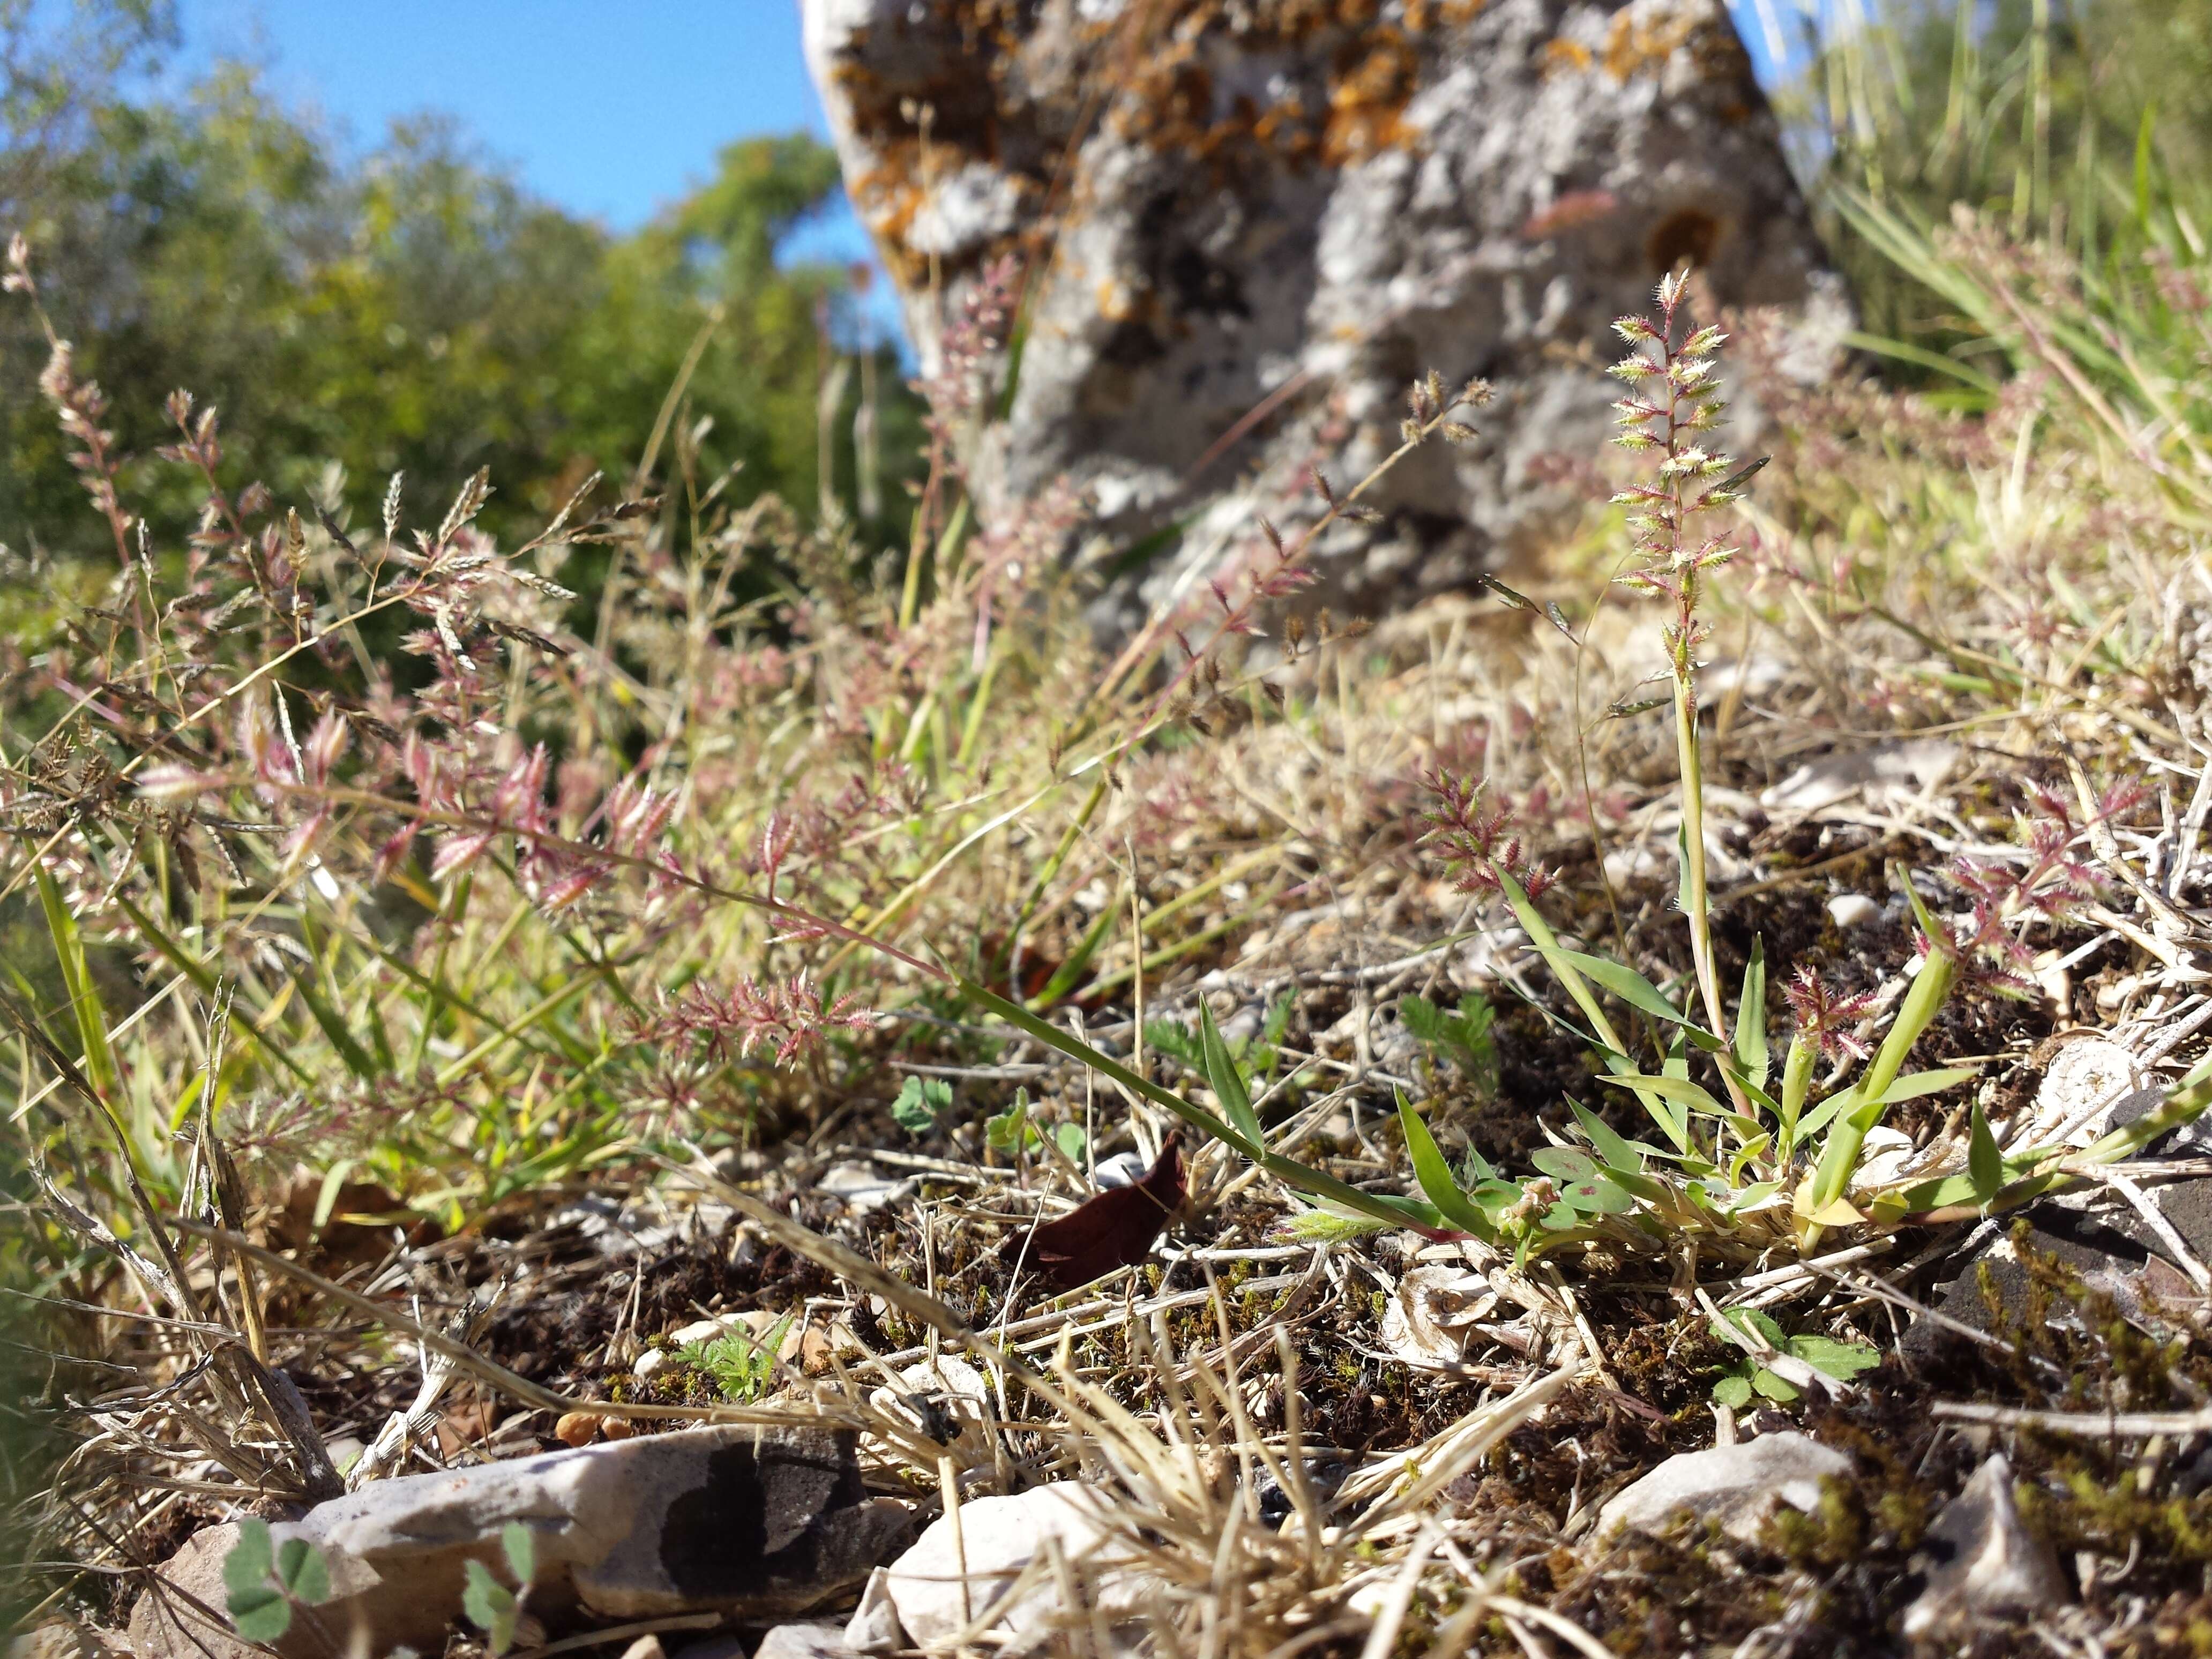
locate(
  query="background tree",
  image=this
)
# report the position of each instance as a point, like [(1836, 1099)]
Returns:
[(410, 309)]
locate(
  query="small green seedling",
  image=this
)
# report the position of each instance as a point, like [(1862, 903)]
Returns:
[(490, 1606), (1462, 1034), (921, 1101), (743, 1368), (1748, 1377), (263, 1581), (1015, 1130)]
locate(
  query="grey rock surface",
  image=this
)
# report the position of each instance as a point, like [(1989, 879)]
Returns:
[(1250, 223), (755, 1523), (2109, 1248), (996, 1570), (805, 1642), (1984, 1562), (874, 1626), (1739, 1486)]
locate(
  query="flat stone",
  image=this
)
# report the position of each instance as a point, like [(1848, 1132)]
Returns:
[(65, 1640), (1888, 775), (1853, 910), (752, 1522), (999, 1539), (806, 1642), (2111, 1250), (862, 1189), (1983, 1561), (1122, 1170), (185, 1615), (946, 1400), (1739, 1486), (874, 1627), (2192, 1139)]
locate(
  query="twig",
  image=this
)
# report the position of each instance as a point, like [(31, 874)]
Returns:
[(2132, 1425)]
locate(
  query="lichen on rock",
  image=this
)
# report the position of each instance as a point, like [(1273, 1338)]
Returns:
[(1248, 224)]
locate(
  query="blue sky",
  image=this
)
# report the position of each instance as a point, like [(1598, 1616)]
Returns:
[(608, 109)]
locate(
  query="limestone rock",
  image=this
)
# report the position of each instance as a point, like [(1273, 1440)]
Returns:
[(1272, 219), (1000, 1541), (1984, 1563), (2087, 1080), (874, 1627), (755, 1522), (1739, 1486), (1885, 778), (805, 1642), (1853, 910), (184, 1617), (65, 1640)]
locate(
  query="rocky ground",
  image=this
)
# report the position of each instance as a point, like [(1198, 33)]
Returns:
[(798, 1399)]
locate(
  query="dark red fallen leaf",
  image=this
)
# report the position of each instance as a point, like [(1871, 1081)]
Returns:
[(1113, 1229)]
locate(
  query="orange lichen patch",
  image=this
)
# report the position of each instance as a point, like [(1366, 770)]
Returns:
[(1159, 63), (1565, 56), (1367, 100), (1119, 303), (1645, 37), (1422, 15), (887, 198)]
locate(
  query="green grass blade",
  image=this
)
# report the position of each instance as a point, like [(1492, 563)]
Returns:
[(355, 1057), (76, 977), (1066, 977), (1632, 988), (1434, 1176), (203, 979), (1984, 1163), (1751, 1049), (1225, 1080)]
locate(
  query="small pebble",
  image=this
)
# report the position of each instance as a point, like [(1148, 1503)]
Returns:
[(1853, 910), (578, 1428)]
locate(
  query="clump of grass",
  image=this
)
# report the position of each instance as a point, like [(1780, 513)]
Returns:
[(1739, 1169)]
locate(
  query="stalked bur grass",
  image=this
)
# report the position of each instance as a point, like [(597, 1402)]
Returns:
[(1737, 1173), (1673, 398)]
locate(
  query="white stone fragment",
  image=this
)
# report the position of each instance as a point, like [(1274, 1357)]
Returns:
[(1739, 1486)]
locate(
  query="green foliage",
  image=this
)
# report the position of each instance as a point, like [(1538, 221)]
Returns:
[(2076, 134), (1462, 1033), (263, 1581), (1015, 1130), (743, 1368), (490, 1605), (1746, 1377), (414, 311), (1732, 1150), (1233, 1070), (921, 1101)]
